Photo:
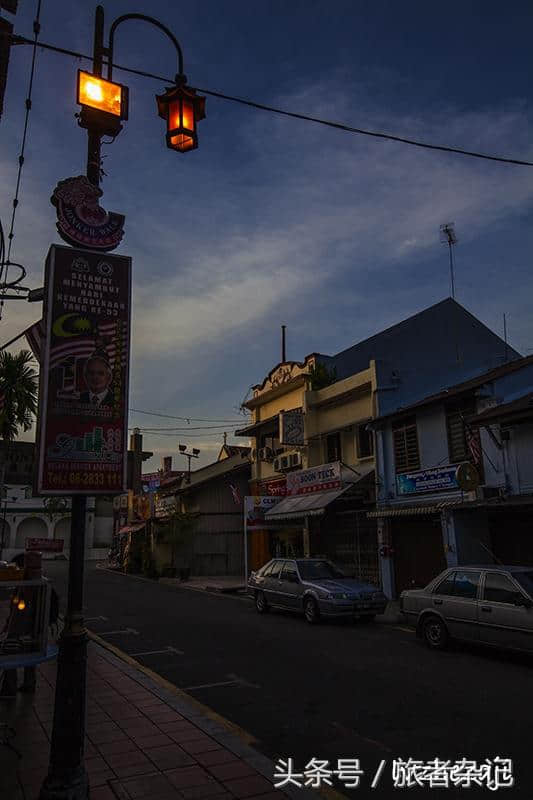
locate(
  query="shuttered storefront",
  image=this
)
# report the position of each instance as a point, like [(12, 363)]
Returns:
[(350, 540), (418, 550)]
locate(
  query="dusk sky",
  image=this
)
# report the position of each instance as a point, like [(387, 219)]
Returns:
[(274, 220)]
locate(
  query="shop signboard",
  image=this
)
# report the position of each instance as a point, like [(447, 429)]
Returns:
[(436, 479), (315, 479), (255, 508), (291, 428), (83, 391), (165, 506), (275, 488), (151, 481)]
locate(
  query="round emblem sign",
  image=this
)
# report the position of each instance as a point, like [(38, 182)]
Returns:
[(467, 476)]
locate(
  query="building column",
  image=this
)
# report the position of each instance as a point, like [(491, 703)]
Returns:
[(306, 540), (386, 557), (449, 539)]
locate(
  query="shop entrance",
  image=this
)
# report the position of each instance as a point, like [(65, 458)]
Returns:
[(287, 543), (418, 551)]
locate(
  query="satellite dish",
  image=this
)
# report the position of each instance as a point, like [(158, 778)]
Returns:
[(467, 476)]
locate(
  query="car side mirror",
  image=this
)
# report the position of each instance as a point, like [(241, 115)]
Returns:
[(523, 601)]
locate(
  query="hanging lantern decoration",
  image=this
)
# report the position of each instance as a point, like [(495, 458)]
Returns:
[(183, 109)]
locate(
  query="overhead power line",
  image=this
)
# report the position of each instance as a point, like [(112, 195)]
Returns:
[(186, 419), (295, 115), (5, 257)]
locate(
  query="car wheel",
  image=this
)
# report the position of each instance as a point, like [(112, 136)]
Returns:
[(435, 632), (311, 612), (261, 603)]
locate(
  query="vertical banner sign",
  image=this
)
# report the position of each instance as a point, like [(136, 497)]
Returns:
[(83, 391)]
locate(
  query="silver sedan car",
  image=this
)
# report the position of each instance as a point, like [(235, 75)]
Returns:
[(315, 587), (490, 605)]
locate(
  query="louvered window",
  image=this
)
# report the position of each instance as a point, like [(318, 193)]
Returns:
[(457, 438), (406, 455)]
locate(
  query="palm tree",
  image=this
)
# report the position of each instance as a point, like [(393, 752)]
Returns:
[(18, 400)]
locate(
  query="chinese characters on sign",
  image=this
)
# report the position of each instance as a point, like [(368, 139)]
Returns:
[(492, 774), (83, 392)]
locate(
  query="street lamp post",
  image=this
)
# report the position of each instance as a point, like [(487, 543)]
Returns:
[(193, 453), (104, 104)]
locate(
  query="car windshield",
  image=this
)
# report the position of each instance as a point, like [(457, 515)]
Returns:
[(525, 579), (315, 570)]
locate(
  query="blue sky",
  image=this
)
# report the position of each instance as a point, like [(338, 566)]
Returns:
[(275, 220)]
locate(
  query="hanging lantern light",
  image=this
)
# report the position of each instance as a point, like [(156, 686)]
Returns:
[(183, 109)]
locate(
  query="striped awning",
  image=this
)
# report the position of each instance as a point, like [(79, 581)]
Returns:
[(303, 505), (408, 511)]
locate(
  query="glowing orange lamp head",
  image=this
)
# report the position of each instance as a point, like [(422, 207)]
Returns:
[(103, 103), (182, 108)]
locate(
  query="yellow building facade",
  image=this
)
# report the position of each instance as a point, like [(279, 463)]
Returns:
[(334, 431)]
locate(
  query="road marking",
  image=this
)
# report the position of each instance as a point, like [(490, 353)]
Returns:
[(124, 630), (158, 652), (101, 619), (405, 630), (242, 682), (208, 685)]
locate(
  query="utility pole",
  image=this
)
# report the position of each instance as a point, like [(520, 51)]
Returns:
[(194, 453)]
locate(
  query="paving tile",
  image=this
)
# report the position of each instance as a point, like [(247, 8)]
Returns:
[(95, 764), (198, 745), (134, 769), (185, 729), (152, 786), (249, 786), (131, 758), (164, 714), (100, 778), (231, 770), (210, 790), (157, 740), (212, 757), (102, 793), (122, 746), (169, 756), (188, 776), (275, 795), (98, 737)]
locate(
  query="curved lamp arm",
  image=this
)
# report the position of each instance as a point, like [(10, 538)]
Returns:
[(152, 21)]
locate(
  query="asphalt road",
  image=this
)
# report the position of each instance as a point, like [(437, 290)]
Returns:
[(336, 690)]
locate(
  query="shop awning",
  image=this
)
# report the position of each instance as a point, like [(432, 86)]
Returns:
[(303, 505), (132, 528), (406, 511)]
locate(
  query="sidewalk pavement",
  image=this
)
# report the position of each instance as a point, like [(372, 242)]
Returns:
[(223, 583), (145, 739)]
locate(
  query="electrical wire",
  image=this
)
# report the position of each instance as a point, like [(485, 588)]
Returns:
[(4, 262), (306, 117), (193, 428), (186, 419)]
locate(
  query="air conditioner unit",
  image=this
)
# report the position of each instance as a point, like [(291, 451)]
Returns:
[(489, 492), (265, 454), (281, 463), (295, 459)]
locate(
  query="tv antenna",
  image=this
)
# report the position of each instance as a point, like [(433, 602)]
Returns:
[(449, 237)]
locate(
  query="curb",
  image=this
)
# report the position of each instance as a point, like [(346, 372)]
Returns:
[(227, 733)]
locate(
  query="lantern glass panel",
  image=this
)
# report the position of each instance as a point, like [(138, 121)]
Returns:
[(181, 115), (96, 92)]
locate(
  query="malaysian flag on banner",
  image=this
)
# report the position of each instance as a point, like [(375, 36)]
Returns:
[(108, 340), (237, 499), (35, 338)]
